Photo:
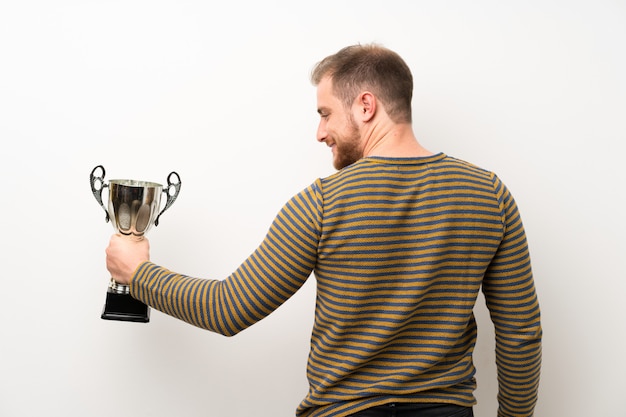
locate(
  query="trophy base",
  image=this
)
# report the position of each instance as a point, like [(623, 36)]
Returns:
[(123, 307)]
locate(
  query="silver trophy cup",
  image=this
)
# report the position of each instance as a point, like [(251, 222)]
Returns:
[(133, 207)]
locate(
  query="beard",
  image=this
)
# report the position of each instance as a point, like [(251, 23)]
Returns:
[(348, 150)]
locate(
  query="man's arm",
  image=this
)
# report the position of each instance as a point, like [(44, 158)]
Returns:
[(265, 280), (512, 301)]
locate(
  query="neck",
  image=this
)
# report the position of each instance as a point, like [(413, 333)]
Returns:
[(394, 141)]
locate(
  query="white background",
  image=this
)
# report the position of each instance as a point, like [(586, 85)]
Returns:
[(219, 92)]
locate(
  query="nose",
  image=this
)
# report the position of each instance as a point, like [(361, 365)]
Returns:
[(321, 132)]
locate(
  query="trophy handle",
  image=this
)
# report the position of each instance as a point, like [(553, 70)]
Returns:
[(97, 185), (170, 197)]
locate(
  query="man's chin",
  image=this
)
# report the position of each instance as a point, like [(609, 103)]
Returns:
[(338, 163), (341, 164), (344, 159)]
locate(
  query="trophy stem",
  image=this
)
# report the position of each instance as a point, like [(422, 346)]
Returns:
[(118, 288)]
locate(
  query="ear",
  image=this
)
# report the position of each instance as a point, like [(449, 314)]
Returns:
[(366, 106)]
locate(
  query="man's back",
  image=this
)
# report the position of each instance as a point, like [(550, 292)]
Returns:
[(403, 248)]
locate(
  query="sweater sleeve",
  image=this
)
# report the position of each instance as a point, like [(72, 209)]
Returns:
[(514, 309), (266, 279)]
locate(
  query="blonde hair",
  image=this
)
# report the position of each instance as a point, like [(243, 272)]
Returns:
[(369, 67)]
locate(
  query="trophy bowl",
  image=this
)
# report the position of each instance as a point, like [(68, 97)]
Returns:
[(133, 207)]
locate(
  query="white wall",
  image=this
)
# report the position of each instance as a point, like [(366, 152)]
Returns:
[(533, 90)]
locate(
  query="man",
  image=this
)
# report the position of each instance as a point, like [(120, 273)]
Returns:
[(400, 240)]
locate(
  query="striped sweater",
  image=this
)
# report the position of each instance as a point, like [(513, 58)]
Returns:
[(400, 248)]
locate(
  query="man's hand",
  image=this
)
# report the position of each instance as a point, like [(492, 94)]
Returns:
[(124, 254)]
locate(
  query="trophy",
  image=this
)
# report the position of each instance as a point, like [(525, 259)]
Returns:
[(133, 208)]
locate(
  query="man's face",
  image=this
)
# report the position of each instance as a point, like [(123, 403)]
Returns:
[(337, 127)]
